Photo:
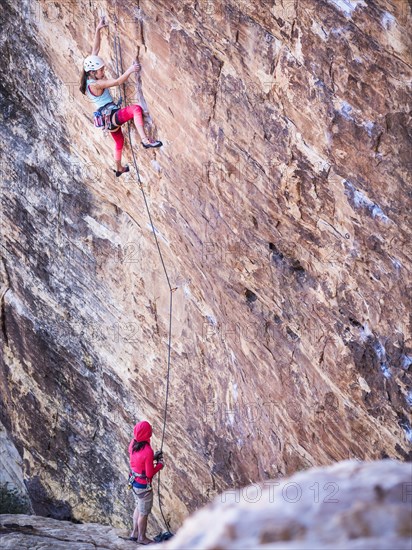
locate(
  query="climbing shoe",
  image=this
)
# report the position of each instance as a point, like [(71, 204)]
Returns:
[(152, 144), (126, 169)]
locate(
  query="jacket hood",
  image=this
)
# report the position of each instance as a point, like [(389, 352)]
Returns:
[(142, 431)]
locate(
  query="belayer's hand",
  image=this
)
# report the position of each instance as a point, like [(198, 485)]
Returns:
[(158, 455)]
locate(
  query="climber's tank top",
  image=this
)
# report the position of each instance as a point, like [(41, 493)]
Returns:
[(100, 100)]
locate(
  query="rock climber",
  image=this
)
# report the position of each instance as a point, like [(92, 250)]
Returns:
[(143, 469), (95, 86)]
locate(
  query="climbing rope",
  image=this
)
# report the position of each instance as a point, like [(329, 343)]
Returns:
[(119, 70)]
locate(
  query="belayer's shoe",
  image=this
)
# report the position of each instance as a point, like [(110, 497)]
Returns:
[(126, 169), (163, 536), (151, 144)]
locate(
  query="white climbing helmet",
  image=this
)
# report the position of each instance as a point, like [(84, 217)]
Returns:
[(93, 63)]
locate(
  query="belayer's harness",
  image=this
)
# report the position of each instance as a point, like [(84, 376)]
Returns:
[(132, 477), (102, 118)]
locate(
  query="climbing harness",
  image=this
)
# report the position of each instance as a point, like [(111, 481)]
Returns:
[(102, 118), (158, 456), (119, 69), (132, 479)]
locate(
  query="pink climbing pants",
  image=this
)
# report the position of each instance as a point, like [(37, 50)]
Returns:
[(124, 115)]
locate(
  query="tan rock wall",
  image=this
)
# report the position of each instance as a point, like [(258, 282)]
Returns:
[(281, 203)]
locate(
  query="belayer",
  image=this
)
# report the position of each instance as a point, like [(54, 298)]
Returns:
[(142, 469), (95, 86)]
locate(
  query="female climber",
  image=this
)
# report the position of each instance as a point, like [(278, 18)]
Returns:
[(95, 86), (142, 471)]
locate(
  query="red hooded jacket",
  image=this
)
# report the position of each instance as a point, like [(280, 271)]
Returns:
[(141, 462)]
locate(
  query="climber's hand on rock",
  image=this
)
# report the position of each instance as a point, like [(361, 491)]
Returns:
[(102, 23), (137, 66), (134, 68)]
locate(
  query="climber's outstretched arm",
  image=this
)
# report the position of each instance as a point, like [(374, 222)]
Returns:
[(103, 83), (100, 26)]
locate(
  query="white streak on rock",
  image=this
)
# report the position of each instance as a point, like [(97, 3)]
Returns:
[(363, 384), (157, 233), (387, 20), (408, 433), (406, 361), (102, 231), (362, 201), (347, 7)]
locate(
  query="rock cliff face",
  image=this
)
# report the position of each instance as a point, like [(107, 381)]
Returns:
[(282, 208)]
